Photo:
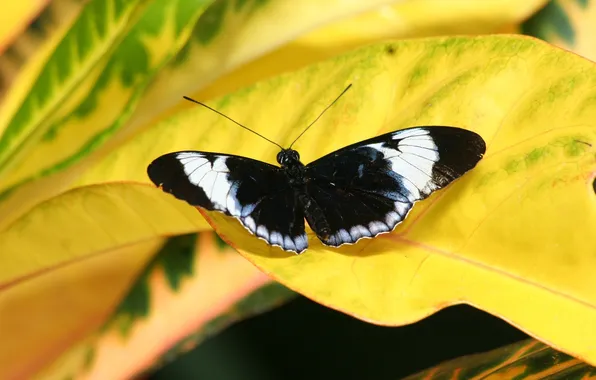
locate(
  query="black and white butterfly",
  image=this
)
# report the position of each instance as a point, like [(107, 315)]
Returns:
[(359, 191)]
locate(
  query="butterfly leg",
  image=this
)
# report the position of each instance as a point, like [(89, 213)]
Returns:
[(314, 216)]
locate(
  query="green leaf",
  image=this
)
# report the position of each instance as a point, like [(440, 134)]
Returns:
[(552, 19)]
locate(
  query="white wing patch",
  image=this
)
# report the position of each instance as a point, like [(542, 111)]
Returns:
[(414, 159), (213, 178)]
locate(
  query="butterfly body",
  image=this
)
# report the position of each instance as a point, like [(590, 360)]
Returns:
[(359, 191), (300, 180)]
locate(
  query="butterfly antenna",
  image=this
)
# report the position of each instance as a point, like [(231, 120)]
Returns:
[(321, 114), (232, 120)]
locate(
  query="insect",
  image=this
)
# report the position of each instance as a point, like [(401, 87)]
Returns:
[(359, 191)]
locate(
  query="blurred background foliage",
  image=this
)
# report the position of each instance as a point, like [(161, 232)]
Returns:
[(162, 301)]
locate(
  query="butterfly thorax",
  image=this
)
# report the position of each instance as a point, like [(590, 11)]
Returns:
[(289, 160), (297, 176)]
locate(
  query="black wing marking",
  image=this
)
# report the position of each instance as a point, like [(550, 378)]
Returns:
[(369, 187), (256, 193)]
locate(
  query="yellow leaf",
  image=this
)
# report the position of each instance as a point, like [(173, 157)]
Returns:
[(86, 220), (63, 304), (402, 19), (513, 237)]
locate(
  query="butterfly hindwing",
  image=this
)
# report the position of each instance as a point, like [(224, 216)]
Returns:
[(369, 187), (279, 219), (255, 192)]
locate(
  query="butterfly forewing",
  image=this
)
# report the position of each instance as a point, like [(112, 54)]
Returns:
[(369, 187), (256, 193)]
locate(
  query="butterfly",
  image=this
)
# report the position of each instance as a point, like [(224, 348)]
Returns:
[(359, 191)]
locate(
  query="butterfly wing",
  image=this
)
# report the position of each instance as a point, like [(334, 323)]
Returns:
[(369, 187), (256, 193)]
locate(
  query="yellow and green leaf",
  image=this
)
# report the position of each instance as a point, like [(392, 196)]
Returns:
[(513, 237), (102, 276), (90, 85), (527, 359), (66, 263), (83, 46), (23, 60), (179, 299)]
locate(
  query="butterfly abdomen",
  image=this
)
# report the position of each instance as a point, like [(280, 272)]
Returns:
[(314, 216)]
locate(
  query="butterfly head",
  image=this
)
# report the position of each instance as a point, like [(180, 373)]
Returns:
[(288, 157)]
